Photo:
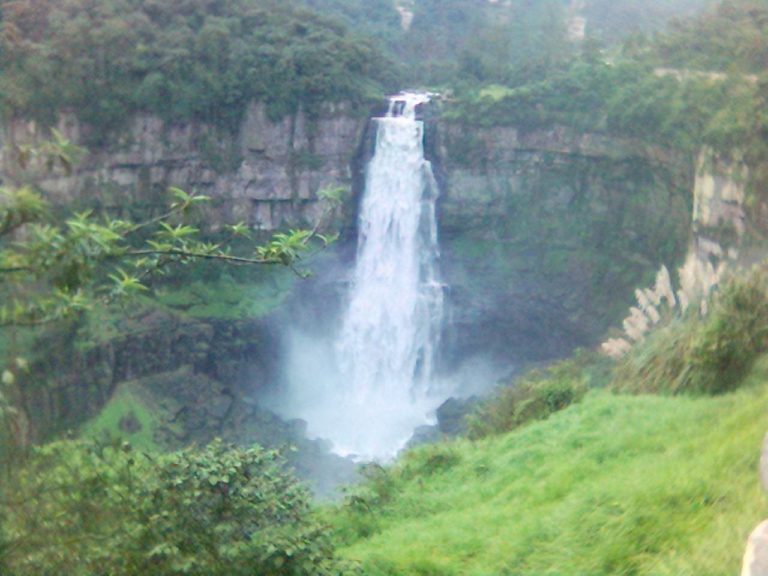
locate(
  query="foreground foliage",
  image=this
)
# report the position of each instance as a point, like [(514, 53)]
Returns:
[(80, 509), (648, 486)]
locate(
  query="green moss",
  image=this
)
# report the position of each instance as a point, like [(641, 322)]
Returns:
[(127, 416)]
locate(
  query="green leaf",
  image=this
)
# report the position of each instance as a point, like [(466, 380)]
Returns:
[(7, 378)]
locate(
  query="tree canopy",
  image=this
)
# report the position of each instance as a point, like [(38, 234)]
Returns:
[(179, 59)]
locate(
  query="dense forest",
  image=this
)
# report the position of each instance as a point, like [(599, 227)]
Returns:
[(185, 198), (181, 60)]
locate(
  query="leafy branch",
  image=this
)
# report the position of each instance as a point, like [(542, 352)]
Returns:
[(50, 271)]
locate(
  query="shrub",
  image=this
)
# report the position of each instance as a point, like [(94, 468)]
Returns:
[(80, 509), (429, 460), (703, 355), (534, 397)]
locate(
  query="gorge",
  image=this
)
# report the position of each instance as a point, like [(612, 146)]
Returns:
[(383, 287), (536, 228)]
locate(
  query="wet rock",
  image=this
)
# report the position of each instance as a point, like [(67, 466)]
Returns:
[(451, 414)]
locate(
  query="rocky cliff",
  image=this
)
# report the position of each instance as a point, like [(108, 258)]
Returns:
[(719, 223), (267, 175), (545, 234)]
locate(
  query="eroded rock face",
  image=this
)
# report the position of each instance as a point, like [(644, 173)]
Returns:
[(267, 175), (546, 234), (756, 556), (73, 380)]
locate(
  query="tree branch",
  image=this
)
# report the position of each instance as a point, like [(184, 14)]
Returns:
[(15, 269), (201, 255)]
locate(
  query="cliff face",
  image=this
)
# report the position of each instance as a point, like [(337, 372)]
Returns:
[(267, 175), (72, 376), (546, 234), (719, 225)]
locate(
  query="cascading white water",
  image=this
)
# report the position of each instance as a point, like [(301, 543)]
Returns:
[(370, 389), (392, 325)]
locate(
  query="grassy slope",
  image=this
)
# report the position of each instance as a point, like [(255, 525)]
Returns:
[(617, 485), (126, 402)]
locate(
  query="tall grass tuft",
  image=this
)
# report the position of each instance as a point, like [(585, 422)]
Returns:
[(537, 395), (703, 355)]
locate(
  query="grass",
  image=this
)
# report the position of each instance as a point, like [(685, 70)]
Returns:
[(617, 485), (127, 402)]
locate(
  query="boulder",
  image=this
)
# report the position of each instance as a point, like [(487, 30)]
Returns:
[(451, 414), (756, 556)]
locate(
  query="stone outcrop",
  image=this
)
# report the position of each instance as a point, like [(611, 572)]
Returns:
[(756, 556), (267, 174), (764, 464), (755, 561), (718, 226)]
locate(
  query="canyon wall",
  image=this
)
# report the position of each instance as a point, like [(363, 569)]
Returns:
[(545, 234), (267, 175)]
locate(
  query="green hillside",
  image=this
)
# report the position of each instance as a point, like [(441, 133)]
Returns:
[(616, 485)]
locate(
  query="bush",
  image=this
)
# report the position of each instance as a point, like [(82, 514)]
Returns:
[(703, 355), (80, 509), (537, 395)]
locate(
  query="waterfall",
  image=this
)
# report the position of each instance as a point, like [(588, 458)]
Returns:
[(391, 329), (369, 388)]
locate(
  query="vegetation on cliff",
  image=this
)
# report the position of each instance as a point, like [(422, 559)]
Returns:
[(612, 22), (694, 84), (646, 467), (709, 354), (458, 41), (106, 60), (730, 37), (625, 98)]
